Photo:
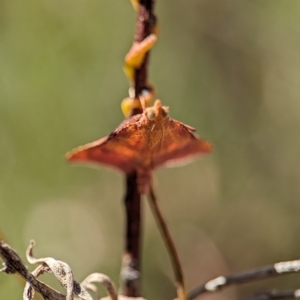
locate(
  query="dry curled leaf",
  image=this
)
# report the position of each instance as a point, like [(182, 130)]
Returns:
[(28, 293), (142, 143), (121, 297), (108, 284), (61, 271)]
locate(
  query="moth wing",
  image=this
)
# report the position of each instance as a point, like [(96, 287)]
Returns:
[(120, 150), (179, 145)]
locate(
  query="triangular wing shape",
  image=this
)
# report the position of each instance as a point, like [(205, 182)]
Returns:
[(179, 145), (120, 150)]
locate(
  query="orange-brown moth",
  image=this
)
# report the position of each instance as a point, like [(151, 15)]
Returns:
[(142, 143)]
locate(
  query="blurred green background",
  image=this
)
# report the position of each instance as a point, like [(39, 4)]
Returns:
[(230, 68)]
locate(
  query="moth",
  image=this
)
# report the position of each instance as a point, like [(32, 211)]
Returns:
[(143, 143)]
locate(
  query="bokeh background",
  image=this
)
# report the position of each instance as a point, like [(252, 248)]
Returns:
[(229, 68)]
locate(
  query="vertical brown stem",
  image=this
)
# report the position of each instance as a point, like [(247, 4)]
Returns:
[(143, 25), (163, 228), (130, 274)]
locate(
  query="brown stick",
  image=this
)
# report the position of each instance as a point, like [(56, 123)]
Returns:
[(163, 228), (221, 282), (130, 273), (14, 264), (143, 27)]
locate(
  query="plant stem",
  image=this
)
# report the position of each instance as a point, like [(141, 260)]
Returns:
[(163, 228), (130, 273)]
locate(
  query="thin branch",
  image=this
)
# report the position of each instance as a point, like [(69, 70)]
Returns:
[(62, 271), (143, 29), (130, 273), (14, 264), (292, 294), (248, 276), (29, 292), (181, 292), (20, 279)]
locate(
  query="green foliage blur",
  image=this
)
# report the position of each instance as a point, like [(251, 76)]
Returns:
[(230, 68)]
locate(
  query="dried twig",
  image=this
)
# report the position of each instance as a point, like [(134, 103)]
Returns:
[(181, 293), (20, 279), (62, 272), (248, 276), (143, 29), (28, 293), (293, 294), (130, 275), (14, 264)]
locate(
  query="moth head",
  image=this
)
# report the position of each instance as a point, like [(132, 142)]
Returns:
[(157, 111), (150, 113)]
